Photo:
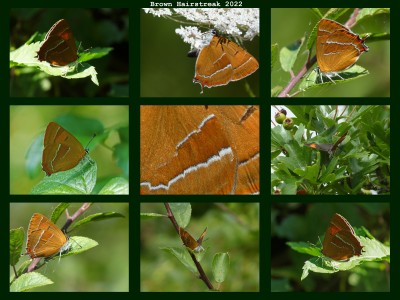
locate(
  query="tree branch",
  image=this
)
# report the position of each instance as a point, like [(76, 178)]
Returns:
[(203, 275)]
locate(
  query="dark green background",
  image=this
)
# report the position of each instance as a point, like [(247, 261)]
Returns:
[(134, 199)]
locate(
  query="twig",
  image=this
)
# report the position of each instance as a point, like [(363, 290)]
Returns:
[(203, 275)]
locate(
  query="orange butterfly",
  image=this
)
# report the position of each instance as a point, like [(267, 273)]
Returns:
[(190, 242)]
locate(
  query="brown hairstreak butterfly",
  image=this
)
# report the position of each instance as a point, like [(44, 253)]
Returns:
[(340, 241), (190, 242), (338, 48), (330, 148), (221, 62), (59, 48), (204, 149), (45, 239), (62, 151)]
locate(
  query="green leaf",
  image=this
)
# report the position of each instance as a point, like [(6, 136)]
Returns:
[(78, 180), (182, 213), (23, 267), (335, 13), (288, 55), (312, 80), (17, 237), (29, 281), (369, 12), (79, 244), (305, 248), (373, 251), (58, 211), (151, 215), (33, 157), (26, 55), (220, 266), (276, 90), (280, 137), (115, 186), (182, 254), (96, 217), (94, 53), (362, 159)]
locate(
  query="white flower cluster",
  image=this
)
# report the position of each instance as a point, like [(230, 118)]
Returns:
[(240, 23), (158, 12)]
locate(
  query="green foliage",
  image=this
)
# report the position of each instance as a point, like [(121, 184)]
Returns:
[(220, 266), (300, 68), (361, 160), (82, 179), (26, 56), (29, 281), (182, 213), (182, 254), (78, 180), (58, 211), (373, 251), (288, 55), (294, 226), (234, 227), (77, 245), (96, 217), (16, 244), (115, 186)]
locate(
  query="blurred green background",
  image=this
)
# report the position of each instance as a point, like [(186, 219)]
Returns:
[(104, 268), (28, 122), (290, 24), (297, 222), (166, 71), (92, 27), (232, 227)]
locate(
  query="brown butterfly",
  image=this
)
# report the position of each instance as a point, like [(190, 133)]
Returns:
[(45, 239), (62, 151), (221, 62), (330, 148), (340, 241), (59, 48), (190, 242)]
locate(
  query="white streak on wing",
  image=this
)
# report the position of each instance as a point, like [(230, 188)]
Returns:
[(341, 44), (215, 158), (228, 66), (198, 130), (245, 162), (37, 243), (215, 62)]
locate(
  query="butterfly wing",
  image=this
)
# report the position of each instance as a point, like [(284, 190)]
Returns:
[(44, 237), (62, 151)]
